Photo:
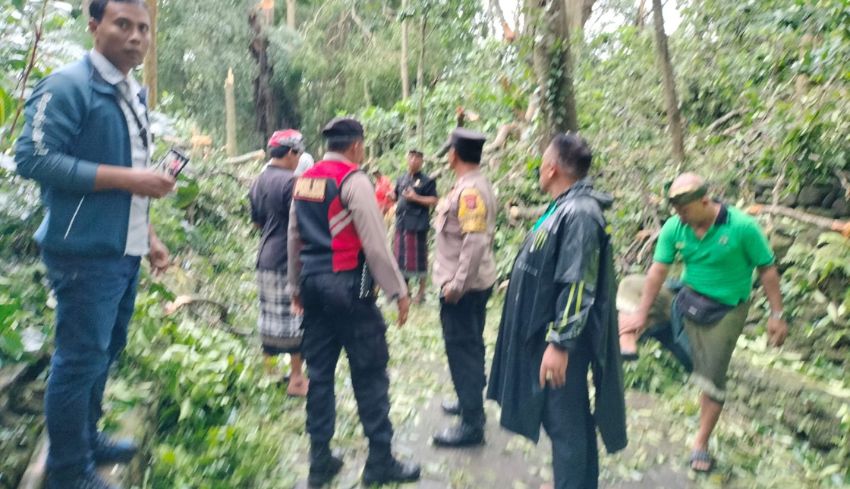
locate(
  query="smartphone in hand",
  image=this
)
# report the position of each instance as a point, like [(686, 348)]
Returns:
[(173, 162)]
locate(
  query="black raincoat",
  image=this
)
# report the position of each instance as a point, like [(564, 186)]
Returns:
[(562, 290)]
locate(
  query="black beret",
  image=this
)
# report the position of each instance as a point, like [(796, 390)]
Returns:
[(342, 127), (468, 144)]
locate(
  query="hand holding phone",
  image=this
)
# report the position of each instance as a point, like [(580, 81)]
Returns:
[(173, 162)]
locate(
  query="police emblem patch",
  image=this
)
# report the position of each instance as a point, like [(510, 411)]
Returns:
[(472, 213)]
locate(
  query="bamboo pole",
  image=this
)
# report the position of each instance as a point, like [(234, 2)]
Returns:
[(420, 80), (151, 58), (230, 113), (405, 75), (290, 14)]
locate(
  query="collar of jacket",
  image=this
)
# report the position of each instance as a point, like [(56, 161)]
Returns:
[(97, 82), (471, 175), (334, 156), (584, 187), (579, 188)]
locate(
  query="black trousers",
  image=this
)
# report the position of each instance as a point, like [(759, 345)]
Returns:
[(570, 425), (334, 319), (463, 330)]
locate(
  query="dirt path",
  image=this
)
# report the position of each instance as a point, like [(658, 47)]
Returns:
[(750, 454), (420, 381)]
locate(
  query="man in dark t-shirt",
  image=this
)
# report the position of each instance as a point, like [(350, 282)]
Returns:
[(415, 194), (271, 197)]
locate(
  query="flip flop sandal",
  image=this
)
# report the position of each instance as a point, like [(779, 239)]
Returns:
[(701, 456)]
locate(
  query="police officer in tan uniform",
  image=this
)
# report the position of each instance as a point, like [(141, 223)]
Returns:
[(465, 271), (338, 255)]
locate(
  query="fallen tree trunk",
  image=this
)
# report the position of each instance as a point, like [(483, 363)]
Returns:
[(836, 225), (810, 409), (21, 401), (502, 137), (247, 157), (33, 477)]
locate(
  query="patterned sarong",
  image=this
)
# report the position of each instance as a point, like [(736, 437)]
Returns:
[(280, 331)]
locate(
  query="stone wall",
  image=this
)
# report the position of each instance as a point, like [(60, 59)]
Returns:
[(823, 199)]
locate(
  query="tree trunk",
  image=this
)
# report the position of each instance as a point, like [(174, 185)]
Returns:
[(290, 14), (578, 11), (420, 82), (641, 15), (673, 117), (150, 59), (265, 101), (553, 66), (230, 113), (405, 75)]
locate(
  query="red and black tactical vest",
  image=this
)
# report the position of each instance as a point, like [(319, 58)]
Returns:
[(330, 241)]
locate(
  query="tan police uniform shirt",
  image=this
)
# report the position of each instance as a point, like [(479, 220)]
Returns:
[(358, 196), (465, 225)]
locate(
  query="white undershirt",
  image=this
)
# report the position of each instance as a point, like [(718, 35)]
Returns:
[(137, 229)]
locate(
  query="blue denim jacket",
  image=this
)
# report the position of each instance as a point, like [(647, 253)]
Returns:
[(73, 123)]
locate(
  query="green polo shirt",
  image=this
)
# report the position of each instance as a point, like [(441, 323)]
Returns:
[(721, 264)]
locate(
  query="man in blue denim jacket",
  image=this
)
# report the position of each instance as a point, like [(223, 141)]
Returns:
[(87, 143)]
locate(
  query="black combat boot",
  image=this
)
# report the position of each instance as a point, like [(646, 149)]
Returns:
[(324, 465), (108, 451), (462, 434), (382, 468)]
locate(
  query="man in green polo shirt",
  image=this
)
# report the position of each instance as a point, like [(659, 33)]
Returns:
[(720, 247)]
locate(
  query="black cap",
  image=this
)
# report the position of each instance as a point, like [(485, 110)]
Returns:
[(343, 128), (468, 144)]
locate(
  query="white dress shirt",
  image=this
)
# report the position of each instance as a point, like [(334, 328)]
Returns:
[(135, 113)]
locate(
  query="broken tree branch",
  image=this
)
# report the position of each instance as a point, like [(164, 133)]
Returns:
[(502, 136), (836, 225), (247, 157), (362, 25), (732, 129), (461, 117), (496, 10), (719, 122), (39, 32), (518, 213), (186, 301)]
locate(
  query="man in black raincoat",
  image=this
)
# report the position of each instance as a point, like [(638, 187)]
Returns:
[(559, 320)]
